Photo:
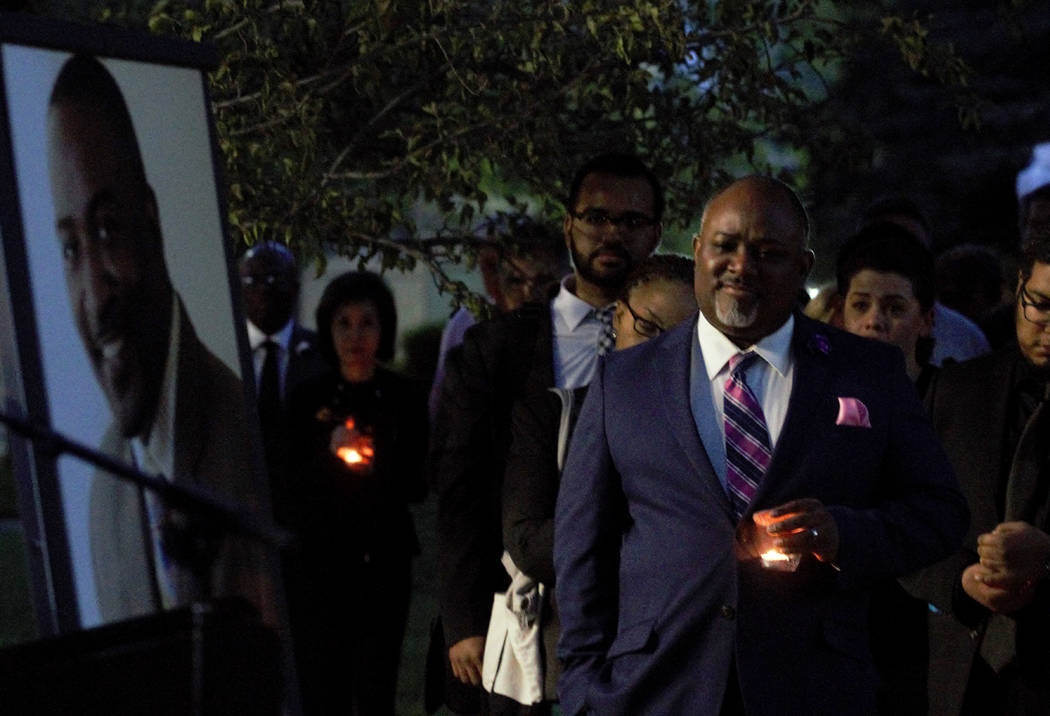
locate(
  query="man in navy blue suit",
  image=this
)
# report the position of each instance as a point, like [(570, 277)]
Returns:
[(666, 606)]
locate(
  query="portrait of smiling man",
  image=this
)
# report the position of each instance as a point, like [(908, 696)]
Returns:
[(177, 410), (733, 489)]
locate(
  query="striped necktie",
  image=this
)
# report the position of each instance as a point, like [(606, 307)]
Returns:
[(747, 437)]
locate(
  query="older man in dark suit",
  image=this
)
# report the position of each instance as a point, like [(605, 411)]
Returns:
[(750, 431), (284, 353), (989, 648)]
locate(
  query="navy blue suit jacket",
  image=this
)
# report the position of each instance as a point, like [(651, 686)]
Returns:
[(654, 603)]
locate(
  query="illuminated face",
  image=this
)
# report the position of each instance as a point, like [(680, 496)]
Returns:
[(356, 332), (883, 306), (611, 228), (750, 261), (113, 259), (1033, 336), (651, 309), (526, 278)]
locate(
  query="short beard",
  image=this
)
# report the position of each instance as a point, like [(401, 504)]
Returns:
[(583, 268), (734, 315)]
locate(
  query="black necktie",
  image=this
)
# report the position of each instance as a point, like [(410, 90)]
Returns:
[(270, 394)]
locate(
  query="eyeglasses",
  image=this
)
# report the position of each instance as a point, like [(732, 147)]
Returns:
[(263, 279), (596, 219), (643, 326), (1037, 312)]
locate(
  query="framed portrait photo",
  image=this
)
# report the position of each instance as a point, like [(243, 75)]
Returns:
[(127, 335)]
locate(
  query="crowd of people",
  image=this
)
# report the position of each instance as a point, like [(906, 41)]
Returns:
[(643, 507), (664, 485)]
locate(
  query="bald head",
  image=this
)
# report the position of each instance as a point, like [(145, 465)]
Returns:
[(270, 285), (109, 236), (751, 258)]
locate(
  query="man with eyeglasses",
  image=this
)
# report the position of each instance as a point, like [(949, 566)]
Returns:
[(989, 641), (527, 257), (612, 221)]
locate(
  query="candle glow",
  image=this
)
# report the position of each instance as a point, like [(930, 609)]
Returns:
[(780, 562), (359, 452)]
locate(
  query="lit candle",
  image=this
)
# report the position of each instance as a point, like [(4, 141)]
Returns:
[(772, 559), (359, 452)]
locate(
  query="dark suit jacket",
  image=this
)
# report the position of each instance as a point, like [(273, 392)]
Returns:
[(655, 605), (500, 360), (212, 452), (530, 483), (305, 364), (304, 360), (971, 406)]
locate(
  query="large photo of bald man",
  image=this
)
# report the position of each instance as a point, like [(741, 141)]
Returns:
[(137, 331)]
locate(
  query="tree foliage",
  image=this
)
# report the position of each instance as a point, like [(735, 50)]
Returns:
[(337, 118)]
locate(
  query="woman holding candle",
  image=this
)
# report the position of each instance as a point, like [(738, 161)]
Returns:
[(359, 440)]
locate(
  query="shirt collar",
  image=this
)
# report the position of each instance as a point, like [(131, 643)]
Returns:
[(717, 349), (569, 309), (282, 337)]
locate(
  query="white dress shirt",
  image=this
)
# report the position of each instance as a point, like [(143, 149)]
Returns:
[(575, 332), (282, 338)]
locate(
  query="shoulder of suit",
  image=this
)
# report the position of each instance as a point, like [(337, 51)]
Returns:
[(302, 339), (815, 338), (981, 368)]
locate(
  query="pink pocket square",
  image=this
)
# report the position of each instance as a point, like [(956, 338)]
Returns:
[(853, 412)]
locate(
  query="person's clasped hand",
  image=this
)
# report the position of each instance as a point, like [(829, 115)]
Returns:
[(1013, 559), (352, 446), (801, 526)]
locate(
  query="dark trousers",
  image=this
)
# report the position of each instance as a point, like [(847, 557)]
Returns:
[(348, 632)]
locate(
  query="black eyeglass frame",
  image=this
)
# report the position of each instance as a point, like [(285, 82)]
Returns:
[(1028, 301), (643, 326), (598, 219)]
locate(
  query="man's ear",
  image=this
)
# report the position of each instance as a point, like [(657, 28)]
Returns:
[(658, 230), (808, 257), (488, 262), (152, 213)]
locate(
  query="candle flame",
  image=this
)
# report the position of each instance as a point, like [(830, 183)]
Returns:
[(356, 455), (350, 455)]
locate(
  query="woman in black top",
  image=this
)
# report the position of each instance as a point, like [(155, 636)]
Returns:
[(359, 440)]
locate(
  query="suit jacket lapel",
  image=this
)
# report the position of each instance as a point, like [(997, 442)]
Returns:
[(989, 397), (807, 406), (189, 440), (673, 379)]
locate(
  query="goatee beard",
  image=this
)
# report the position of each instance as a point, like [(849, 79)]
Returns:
[(730, 313)]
